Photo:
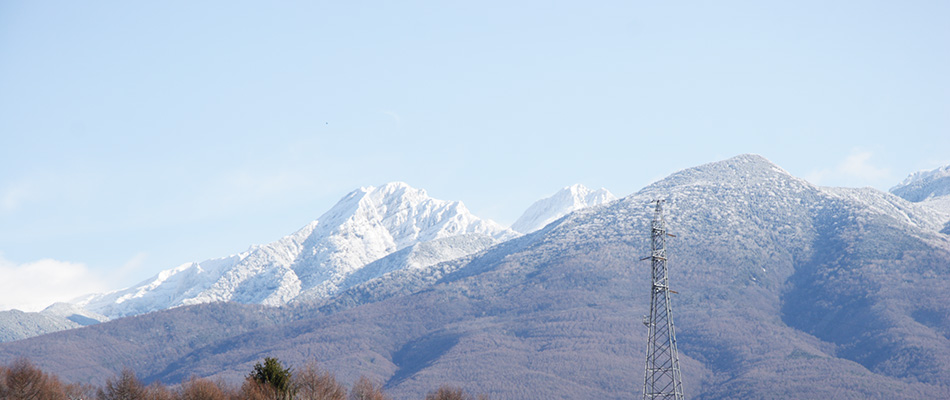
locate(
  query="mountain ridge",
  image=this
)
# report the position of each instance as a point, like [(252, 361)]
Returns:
[(786, 290), (16, 324), (559, 204), (928, 188), (365, 225)]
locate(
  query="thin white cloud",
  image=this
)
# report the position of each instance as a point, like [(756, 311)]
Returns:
[(131, 269), (857, 165), (44, 188), (855, 170), (13, 197), (394, 116), (35, 285)]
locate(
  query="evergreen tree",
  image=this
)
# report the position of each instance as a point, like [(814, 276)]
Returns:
[(273, 376)]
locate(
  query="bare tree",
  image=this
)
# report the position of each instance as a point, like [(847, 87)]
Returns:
[(315, 384), (201, 389), (158, 391), (79, 391), (123, 387), (254, 390), (446, 392), (364, 389), (22, 381)]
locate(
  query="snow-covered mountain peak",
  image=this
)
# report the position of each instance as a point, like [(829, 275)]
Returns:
[(319, 259), (583, 196), (742, 170), (924, 175), (559, 204), (924, 185), (930, 189), (753, 178), (405, 215)]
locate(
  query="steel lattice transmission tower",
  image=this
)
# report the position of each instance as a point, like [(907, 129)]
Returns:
[(662, 380)]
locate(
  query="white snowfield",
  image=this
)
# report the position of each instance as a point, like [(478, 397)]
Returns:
[(565, 201), (322, 258)]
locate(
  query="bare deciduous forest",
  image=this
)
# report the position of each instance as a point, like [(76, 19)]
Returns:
[(21, 380)]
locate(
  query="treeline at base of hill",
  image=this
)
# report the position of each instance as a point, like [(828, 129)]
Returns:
[(269, 380)]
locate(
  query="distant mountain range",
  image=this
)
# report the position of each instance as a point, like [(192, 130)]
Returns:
[(786, 290), (16, 325), (321, 258), (368, 233)]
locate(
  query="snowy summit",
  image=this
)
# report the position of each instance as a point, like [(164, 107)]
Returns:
[(319, 260), (928, 188), (565, 201), (924, 185)]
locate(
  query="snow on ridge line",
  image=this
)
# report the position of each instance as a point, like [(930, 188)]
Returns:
[(367, 224), (561, 203), (923, 175)]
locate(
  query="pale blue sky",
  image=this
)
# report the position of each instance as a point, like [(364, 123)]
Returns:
[(137, 136)]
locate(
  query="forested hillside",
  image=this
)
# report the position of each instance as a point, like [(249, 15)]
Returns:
[(785, 290)]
